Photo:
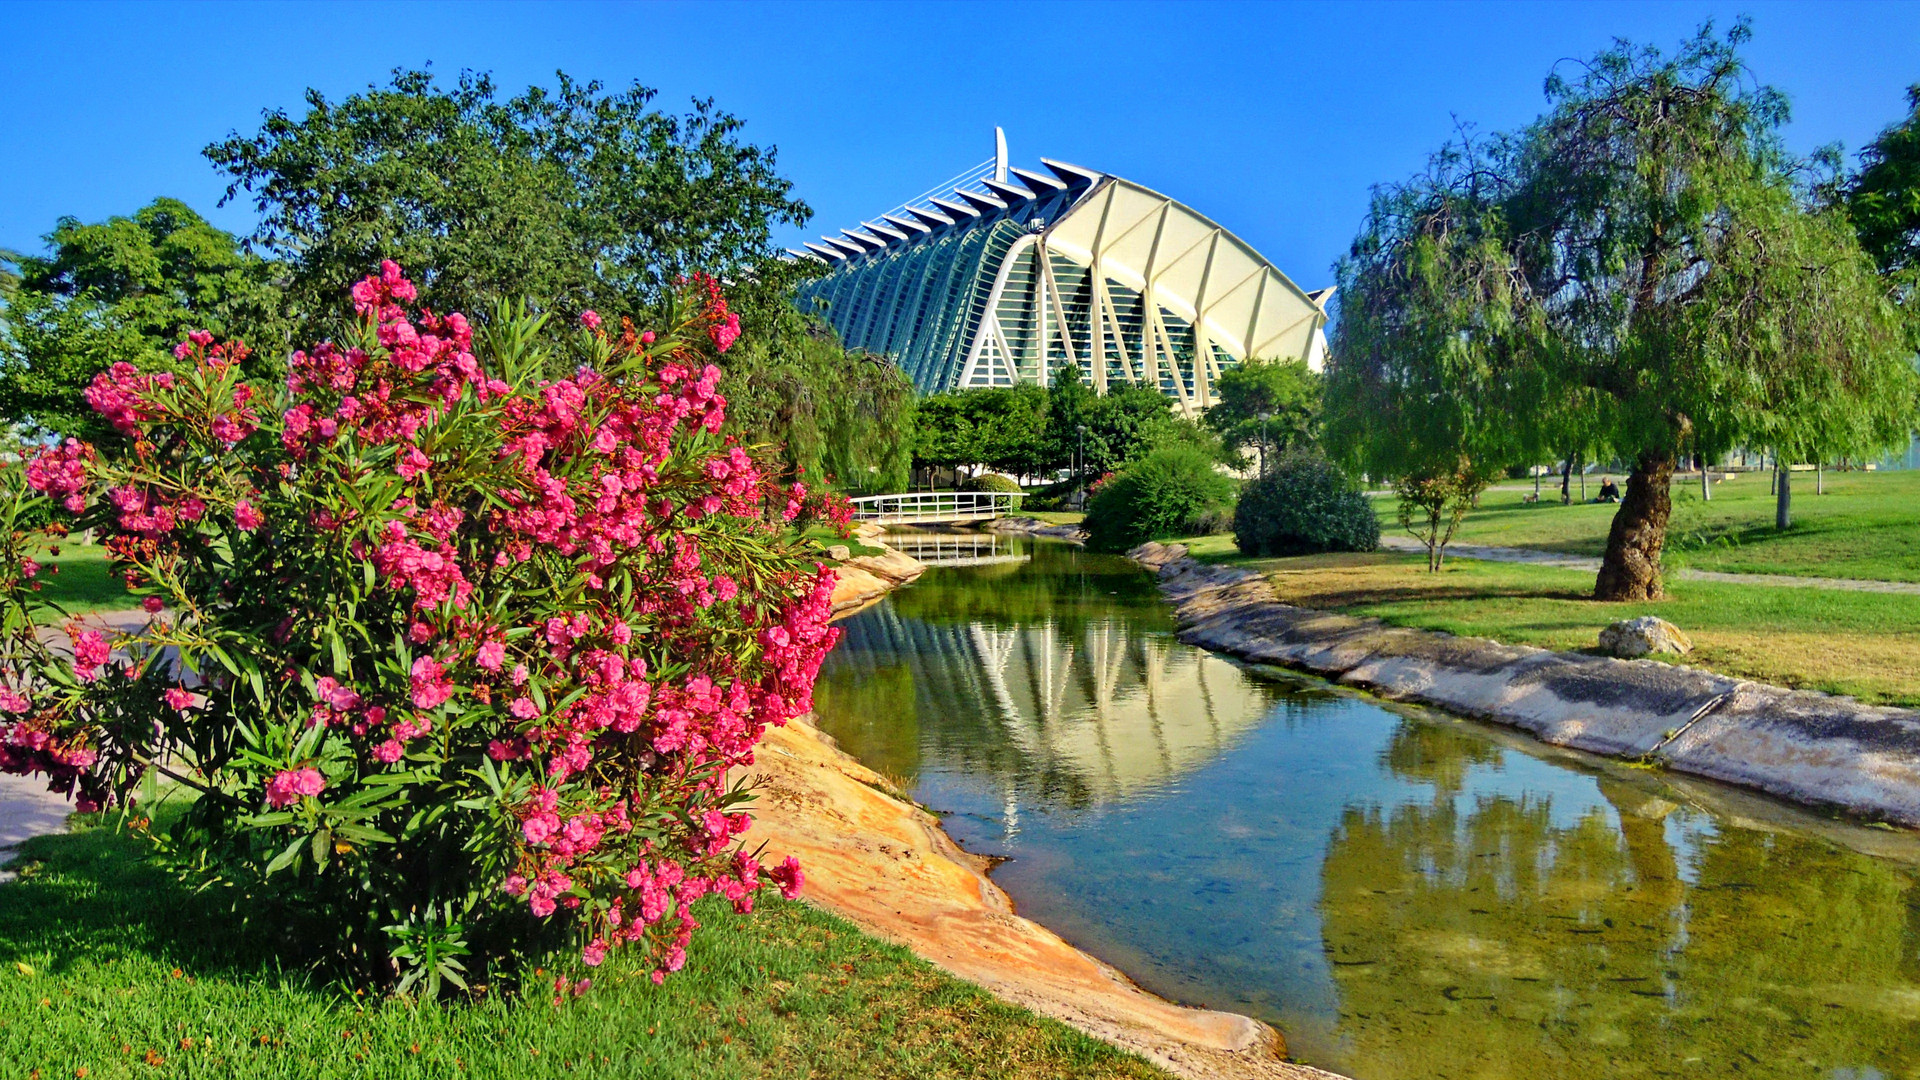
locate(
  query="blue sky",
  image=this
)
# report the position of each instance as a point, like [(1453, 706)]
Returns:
[(1271, 118)]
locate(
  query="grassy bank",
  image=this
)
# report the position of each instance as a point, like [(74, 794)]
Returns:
[(108, 969), (1867, 525), (80, 580), (1863, 644)]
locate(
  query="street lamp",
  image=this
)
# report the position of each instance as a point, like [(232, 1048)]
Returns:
[(1080, 461)]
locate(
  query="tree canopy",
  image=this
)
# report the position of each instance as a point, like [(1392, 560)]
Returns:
[(583, 198), (1265, 406), (1640, 266), (846, 418), (125, 289), (1883, 197)]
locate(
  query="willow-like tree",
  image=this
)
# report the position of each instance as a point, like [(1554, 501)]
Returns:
[(1429, 355), (1683, 276), (1661, 268)]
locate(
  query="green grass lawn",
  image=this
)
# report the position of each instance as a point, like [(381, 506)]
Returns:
[(80, 580), (1867, 525), (1863, 644), (108, 970), (1055, 517)]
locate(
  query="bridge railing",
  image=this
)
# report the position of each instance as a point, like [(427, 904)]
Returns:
[(932, 507)]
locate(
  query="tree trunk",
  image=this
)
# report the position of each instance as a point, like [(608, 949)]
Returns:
[(1706, 483), (1566, 482), (1536, 483), (1583, 482), (1819, 479), (1783, 501), (1631, 568)]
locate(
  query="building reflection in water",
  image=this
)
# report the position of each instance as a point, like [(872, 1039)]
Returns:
[(1405, 896)]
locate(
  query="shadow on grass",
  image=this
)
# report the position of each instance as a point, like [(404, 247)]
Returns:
[(95, 895)]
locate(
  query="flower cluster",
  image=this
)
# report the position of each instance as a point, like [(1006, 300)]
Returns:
[(448, 597)]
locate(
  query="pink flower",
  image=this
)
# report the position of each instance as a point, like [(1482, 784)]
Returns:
[(430, 685), (179, 698), (788, 877), (590, 320), (412, 463), (524, 708), (152, 605), (389, 752), (491, 656), (29, 568), (13, 701), (724, 334), (596, 951), (291, 785), (90, 652), (245, 516)]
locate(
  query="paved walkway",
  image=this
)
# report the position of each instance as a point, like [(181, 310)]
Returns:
[(27, 809), (1534, 557)]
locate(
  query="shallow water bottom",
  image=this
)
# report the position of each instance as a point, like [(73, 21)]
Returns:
[(1403, 894)]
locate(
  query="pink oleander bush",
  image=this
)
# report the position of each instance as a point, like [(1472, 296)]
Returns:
[(458, 656)]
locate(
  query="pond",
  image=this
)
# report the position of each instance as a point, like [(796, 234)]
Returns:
[(1402, 893)]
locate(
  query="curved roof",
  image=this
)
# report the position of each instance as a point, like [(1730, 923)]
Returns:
[(1029, 273)]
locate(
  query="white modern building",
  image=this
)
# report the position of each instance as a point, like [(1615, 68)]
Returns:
[(1004, 275)]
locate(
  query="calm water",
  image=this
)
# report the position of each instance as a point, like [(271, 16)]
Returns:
[(1403, 895)]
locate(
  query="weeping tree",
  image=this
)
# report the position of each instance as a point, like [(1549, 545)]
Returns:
[(1429, 356), (1660, 268), (1682, 275), (842, 417)]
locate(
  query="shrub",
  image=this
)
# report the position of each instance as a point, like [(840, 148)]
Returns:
[(463, 654), (1166, 493), (991, 482), (1302, 505)]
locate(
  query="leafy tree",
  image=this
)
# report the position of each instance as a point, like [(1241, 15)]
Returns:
[(943, 435), (843, 417), (126, 289), (1651, 259), (585, 199), (1883, 198), (1683, 276), (1427, 370), (1268, 406), (1011, 423)]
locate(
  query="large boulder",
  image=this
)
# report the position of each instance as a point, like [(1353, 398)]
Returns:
[(1629, 638)]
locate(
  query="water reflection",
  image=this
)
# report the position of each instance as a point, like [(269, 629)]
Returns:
[(1405, 896)]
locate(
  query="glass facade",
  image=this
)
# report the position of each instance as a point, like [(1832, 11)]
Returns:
[(1015, 284)]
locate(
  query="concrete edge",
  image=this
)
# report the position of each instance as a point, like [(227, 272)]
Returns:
[(1804, 746)]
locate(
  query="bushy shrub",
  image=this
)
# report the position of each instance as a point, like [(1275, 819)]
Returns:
[(991, 482), (464, 655), (1167, 493), (1302, 505)]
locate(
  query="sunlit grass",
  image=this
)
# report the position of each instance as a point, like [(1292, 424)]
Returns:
[(1867, 525), (1858, 643), (108, 969)]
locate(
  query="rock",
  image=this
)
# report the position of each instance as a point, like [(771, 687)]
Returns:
[(839, 553), (1647, 634)]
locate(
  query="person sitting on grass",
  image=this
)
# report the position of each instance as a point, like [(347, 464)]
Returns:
[(1609, 491)]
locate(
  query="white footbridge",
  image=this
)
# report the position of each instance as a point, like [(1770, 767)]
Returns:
[(935, 507)]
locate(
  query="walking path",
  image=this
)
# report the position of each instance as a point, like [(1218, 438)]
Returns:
[(27, 809), (1535, 557)]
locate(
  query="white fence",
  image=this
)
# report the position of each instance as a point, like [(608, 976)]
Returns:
[(932, 507)]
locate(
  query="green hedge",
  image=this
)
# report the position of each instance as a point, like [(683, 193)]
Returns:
[(1304, 504), (1173, 491)]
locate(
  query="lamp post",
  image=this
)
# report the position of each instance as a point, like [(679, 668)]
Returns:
[(1080, 461)]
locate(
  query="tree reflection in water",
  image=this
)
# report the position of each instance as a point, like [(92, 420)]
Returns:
[(1471, 936)]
